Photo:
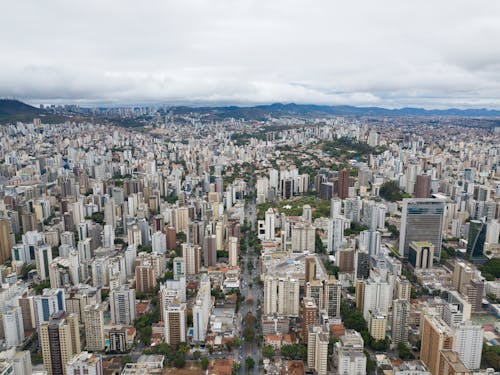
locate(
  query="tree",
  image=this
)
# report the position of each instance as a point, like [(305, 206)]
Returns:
[(179, 360), (268, 351), (404, 351), (204, 363), (491, 269), (390, 191), (236, 368), (249, 363), (126, 359), (318, 244)]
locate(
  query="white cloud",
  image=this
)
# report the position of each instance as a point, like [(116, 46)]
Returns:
[(386, 52)]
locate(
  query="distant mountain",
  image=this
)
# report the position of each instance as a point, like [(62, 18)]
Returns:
[(276, 109), (13, 110)]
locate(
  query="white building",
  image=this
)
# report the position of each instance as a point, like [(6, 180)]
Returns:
[(201, 310), (85, 363), (317, 349), (159, 243), (122, 304), (13, 325), (281, 295), (377, 297), (348, 355), (468, 344), (269, 225)]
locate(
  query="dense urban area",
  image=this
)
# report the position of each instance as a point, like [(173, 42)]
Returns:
[(146, 240)]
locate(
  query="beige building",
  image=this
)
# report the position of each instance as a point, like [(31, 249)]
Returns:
[(436, 336), (60, 341), (93, 317)]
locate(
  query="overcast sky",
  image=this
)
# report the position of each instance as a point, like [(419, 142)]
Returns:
[(386, 53)]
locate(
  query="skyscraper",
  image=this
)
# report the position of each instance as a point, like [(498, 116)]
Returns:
[(201, 310), (476, 239), (192, 258), (93, 318), (145, 278), (43, 257), (344, 176), (175, 323), (309, 316), (421, 220), (60, 341), (13, 325), (400, 317), (348, 355), (436, 336), (122, 304), (232, 247), (5, 240), (423, 186), (50, 302), (469, 344), (317, 349)]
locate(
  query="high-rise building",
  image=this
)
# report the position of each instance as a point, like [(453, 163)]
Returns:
[(93, 318), (43, 258), (50, 302), (171, 238), (436, 336), (19, 360), (462, 276), (310, 268), (451, 364), (421, 220), (145, 278), (336, 226), (345, 259), (175, 318), (232, 247), (179, 268), (210, 250), (317, 349), (192, 258), (468, 344), (269, 225), (201, 310), (402, 289), (348, 355), (475, 292), (377, 297), (369, 241), (122, 305), (476, 239), (85, 363), (423, 186), (159, 242), (344, 183), (421, 254), (60, 341), (5, 240), (303, 237), (281, 295), (377, 325), (400, 320), (13, 327), (309, 315)]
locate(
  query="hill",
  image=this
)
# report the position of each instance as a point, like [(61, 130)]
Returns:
[(13, 110), (278, 109)]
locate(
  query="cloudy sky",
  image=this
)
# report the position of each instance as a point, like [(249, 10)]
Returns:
[(388, 53)]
